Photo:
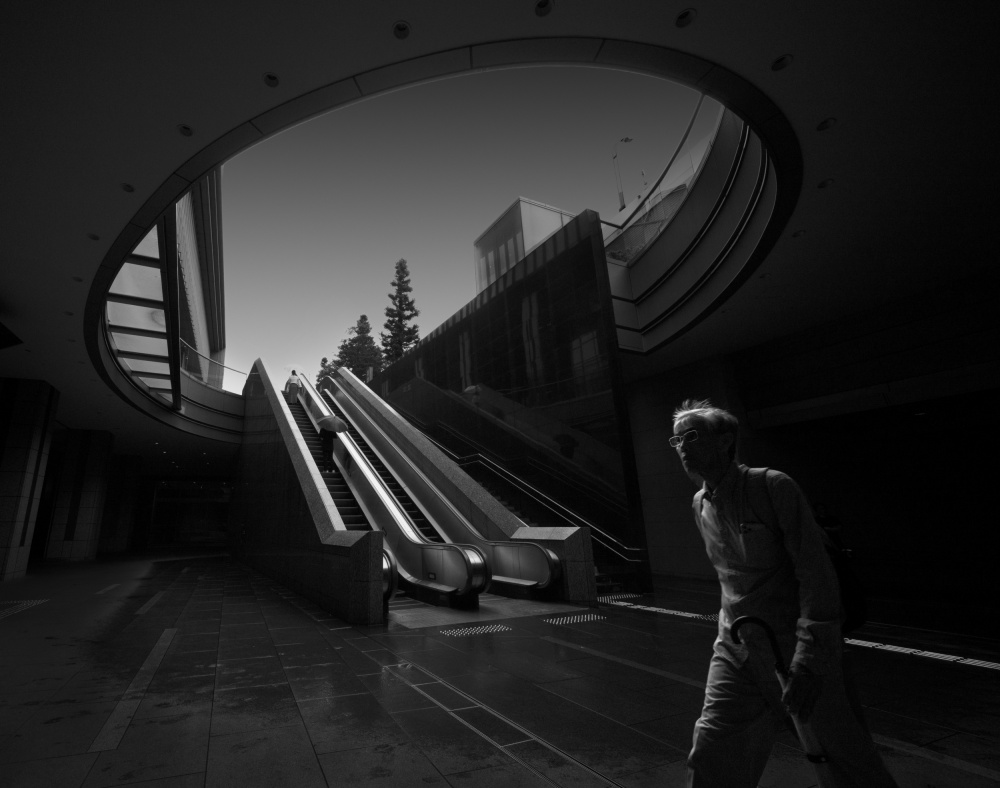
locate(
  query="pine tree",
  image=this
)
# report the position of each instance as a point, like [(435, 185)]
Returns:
[(399, 336), (359, 351), (326, 367)]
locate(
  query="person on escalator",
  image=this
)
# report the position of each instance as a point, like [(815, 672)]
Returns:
[(292, 388), (329, 426)]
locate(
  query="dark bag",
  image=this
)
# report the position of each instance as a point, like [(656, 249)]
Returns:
[(853, 597)]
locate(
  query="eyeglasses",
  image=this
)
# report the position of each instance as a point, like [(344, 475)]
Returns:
[(690, 436)]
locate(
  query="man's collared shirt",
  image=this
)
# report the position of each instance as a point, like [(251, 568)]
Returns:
[(771, 564)]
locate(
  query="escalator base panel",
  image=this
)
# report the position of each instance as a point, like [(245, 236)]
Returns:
[(574, 619), (483, 630)]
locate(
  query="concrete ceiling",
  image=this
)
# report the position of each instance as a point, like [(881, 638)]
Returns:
[(93, 95)]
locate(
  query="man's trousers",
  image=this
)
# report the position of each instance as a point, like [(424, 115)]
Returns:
[(743, 713)]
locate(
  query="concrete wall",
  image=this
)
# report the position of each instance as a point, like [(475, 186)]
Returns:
[(280, 523), (27, 408), (84, 460)]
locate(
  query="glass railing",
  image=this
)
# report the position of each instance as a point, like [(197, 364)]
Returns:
[(210, 372), (641, 222)]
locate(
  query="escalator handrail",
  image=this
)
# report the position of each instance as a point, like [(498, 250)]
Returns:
[(560, 511)]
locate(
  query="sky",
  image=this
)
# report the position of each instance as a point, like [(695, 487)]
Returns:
[(315, 218)]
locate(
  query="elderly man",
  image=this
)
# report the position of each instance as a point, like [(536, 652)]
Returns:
[(771, 561)]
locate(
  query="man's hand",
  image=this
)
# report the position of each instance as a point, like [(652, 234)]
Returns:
[(801, 692)]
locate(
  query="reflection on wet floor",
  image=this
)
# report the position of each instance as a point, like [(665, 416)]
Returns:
[(198, 671)]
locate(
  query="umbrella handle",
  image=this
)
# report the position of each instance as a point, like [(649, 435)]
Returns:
[(779, 663), (813, 750)]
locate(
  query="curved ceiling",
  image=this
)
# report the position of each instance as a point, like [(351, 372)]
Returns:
[(112, 112)]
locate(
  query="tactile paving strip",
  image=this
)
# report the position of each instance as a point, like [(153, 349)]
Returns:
[(17, 605), (979, 663), (616, 597), (481, 630), (667, 611), (574, 619)]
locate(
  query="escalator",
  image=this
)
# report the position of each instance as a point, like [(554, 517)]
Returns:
[(429, 567), (517, 566), (340, 491), (426, 528)]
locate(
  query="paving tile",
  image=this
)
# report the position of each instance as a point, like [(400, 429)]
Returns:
[(511, 775), (171, 683), (444, 696), (57, 729), (448, 744), (168, 704), (154, 748), (393, 693), (620, 704), (66, 771), (276, 758), (323, 681), (244, 648), (555, 767), (237, 630), (980, 750), (907, 729), (597, 741), (910, 769), (253, 708), (252, 672), (314, 651), (382, 766), (349, 722), (490, 725), (299, 634), (676, 730)]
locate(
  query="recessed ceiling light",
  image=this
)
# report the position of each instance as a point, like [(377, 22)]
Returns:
[(93, 236), (826, 124), (184, 130), (271, 79), (685, 17), (544, 7), (781, 63), (401, 29)]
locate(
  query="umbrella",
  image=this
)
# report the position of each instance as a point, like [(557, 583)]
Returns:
[(332, 423), (814, 752)]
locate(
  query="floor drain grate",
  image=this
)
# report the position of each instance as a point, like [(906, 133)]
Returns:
[(574, 619), (17, 605), (483, 630)]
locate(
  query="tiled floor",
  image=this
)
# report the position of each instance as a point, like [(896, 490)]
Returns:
[(197, 672)]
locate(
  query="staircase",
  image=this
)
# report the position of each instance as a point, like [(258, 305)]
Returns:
[(347, 505)]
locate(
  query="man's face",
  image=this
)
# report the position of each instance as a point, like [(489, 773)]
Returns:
[(705, 457)]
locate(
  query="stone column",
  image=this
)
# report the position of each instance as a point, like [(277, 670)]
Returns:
[(27, 408), (84, 458)]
